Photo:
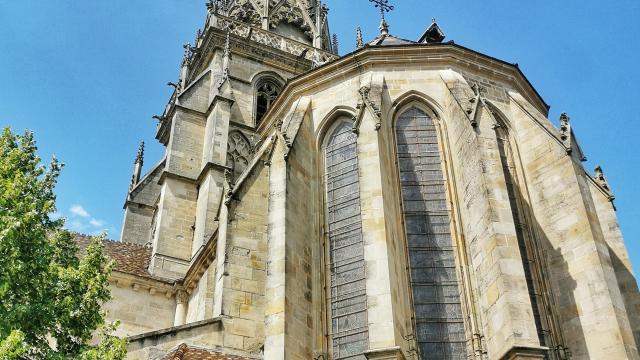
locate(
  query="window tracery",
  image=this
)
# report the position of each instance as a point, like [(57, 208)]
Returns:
[(348, 298), (239, 153), (266, 93), (437, 306)]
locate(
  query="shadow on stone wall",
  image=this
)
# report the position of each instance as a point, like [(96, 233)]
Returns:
[(561, 286)]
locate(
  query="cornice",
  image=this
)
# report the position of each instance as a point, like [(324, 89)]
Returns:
[(171, 175), (436, 56), (153, 285), (208, 166)]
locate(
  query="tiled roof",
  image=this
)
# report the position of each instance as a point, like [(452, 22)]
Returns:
[(129, 258), (185, 352)]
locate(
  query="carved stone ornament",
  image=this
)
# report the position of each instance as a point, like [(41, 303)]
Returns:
[(565, 132), (244, 11), (290, 14), (182, 297), (239, 153), (226, 60), (365, 93), (601, 179)]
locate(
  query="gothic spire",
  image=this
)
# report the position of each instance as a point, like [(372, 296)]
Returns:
[(334, 44), (137, 167), (140, 156), (359, 39)]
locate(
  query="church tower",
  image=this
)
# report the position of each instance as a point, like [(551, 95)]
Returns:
[(230, 76), (410, 200)]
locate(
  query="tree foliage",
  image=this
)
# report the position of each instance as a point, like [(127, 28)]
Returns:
[(49, 298)]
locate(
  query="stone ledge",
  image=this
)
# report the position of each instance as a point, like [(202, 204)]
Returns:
[(172, 330), (525, 353), (394, 353)]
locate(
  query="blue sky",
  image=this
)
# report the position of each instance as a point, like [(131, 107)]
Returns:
[(86, 77)]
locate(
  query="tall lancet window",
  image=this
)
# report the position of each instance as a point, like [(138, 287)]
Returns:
[(348, 299), (522, 229), (439, 322)]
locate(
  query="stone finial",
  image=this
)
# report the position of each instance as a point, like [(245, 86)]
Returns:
[(334, 44), (565, 126), (359, 39), (198, 36), (601, 179), (137, 167), (226, 60), (384, 27), (384, 7), (140, 156), (212, 6)]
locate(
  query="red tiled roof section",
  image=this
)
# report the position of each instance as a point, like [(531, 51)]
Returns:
[(129, 258), (185, 352)]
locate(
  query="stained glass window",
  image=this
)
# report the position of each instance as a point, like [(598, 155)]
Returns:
[(346, 249), (439, 322)]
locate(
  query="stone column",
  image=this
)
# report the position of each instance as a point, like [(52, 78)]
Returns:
[(182, 300), (380, 313), (274, 347)]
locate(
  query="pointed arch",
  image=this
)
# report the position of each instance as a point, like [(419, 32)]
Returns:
[(432, 252), (346, 277), (417, 98), (239, 153), (267, 86), (338, 113)]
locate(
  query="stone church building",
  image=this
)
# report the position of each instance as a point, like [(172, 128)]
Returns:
[(408, 200)]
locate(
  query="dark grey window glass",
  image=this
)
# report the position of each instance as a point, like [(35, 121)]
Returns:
[(346, 249), (436, 296), (267, 92)]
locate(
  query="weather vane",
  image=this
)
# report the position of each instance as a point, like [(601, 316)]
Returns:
[(383, 5)]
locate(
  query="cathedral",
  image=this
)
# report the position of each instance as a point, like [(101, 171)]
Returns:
[(408, 200)]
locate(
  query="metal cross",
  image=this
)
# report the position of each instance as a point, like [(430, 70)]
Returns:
[(383, 5)]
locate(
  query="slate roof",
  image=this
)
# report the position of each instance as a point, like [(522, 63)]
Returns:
[(185, 352), (129, 258), (390, 40)]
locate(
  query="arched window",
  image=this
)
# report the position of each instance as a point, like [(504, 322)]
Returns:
[(239, 153), (348, 298), (267, 90), (439, 321)]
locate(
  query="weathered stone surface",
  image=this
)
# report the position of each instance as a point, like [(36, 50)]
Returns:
[(533, 248)]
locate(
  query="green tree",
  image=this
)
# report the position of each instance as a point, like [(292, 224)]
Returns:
[(49, 298)]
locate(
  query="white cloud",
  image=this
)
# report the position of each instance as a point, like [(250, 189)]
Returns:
[(96, 223), (82, 222), (78, 210), (76, 225)]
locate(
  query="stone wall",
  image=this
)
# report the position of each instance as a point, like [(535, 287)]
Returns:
[(139, 309)]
